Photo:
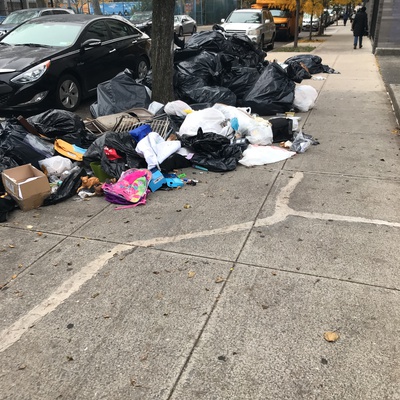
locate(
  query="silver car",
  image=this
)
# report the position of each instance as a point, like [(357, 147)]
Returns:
[(184, 24)]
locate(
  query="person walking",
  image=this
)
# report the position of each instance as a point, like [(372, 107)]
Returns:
[(345, 18), (359, 26)]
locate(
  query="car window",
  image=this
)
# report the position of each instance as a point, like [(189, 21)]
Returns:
[(119, 29), (60, 12), (19, 17), (96, 30), (44, 33), (244, 17), (49, 12)]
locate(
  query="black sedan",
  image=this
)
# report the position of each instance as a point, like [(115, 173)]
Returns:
[(56, 61)]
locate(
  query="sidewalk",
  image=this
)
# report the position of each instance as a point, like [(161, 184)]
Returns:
[(223, 290)]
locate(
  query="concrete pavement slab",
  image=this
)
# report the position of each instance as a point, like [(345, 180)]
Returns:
[(360, 154), (63, 219), (130, 329), (20, 248), (333, 195), (46, 271), (347, 251), (266, 341), (216, 205)]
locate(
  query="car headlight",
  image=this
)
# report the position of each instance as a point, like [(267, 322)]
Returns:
[(252, 32), (33, 74)]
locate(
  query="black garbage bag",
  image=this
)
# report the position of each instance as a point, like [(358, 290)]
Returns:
[(240, 80), (282, 129), (62, 124), (68, 187), (213, 41), (7, 204), (120, 94), (297, 71), (5, 163), (124, 145), (243, 48), (212, 151), (212, 95), (185, 53), (272, 93), (58, 124), (312, 62), (205, 66), (18, 145)]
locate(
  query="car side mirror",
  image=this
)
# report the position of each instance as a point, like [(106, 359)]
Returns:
[(91, 43), (223, 20)]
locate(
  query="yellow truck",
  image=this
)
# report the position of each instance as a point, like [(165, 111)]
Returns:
[(284, 17)]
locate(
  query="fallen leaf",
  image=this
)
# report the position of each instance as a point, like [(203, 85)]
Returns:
[(219, 279), (11, 246), (39, 233), (331, 336), (191, 274), (22, 366), (14, 276), (29, 226), (187, 206)]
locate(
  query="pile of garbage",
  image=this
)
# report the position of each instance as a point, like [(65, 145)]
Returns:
[(134, 146)]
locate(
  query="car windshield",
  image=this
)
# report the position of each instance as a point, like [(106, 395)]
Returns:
[(177, 18), (244, 17), (20, 17), (44, 34), (141, 17), (280, 13)]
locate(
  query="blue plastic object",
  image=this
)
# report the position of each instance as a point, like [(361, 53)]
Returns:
[(157, 180), (140, 132)]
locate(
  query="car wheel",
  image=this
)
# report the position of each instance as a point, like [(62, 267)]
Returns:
[(194, 30), (180, 32), (272, 43), (141, 68), (68, 94)]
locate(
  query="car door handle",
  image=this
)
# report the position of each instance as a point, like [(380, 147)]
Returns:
[(112, 51)]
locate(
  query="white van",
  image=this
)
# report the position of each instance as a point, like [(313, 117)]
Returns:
[(257, 24)]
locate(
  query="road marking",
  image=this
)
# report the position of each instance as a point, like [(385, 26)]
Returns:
[(14, 332)]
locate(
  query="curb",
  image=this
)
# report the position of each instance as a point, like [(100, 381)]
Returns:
[(394, 94), (387, 51)]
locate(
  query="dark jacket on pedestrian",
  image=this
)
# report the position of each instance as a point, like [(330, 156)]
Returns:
[(360, 23)]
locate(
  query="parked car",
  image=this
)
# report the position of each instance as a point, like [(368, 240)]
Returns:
[(184, 24), (56, 61), (2, 18), (307, 22), (257, 24), (18, 17), (143, 21)]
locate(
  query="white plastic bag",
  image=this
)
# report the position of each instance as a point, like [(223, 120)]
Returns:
[(155, 149), (55, 165), (260, 155), (178, 107), (209, 120), (304, 97), (256, 130)]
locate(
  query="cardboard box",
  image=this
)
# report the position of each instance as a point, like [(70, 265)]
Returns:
[(26, 185)]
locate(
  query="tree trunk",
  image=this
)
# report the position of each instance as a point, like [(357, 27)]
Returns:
[(96, 7), (296, 25), (162, 50)]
